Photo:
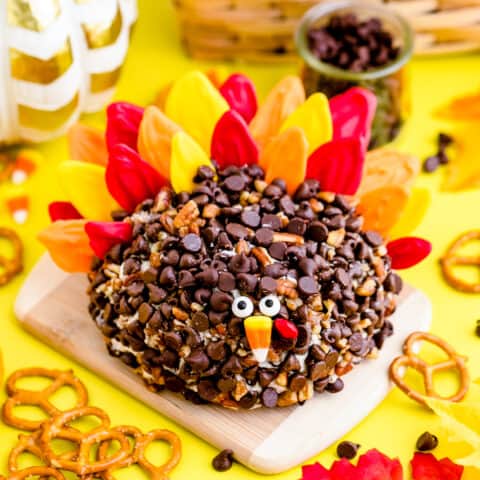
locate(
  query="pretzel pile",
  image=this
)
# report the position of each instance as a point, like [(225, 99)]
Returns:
[(9, 267), (129, 442)]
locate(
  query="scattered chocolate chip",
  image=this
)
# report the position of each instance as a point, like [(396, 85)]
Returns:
[(347, 450), (335, 387), (431, 164), (426, 442)]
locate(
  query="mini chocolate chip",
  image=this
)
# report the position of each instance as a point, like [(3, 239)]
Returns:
[(226, 385), (343, 277), (275, 270), (373, 238), (426, 442), (269, 398), (307, 266), (135, 289), (265, 378), (235, 183), (144, 313), (304, 336), (217, 350), (198, 361), (171, 258), (347, 450), (247, 282), (218, 317), (268, 285), (200, 321), (191, 243), (291, 363), (248, 400), (173, 340), (236, 231), (393, 283), (298, 226), (320, 385), (202, 295), (187, 260), (192, 337), (209, 277), (167, 277), (239, 264), (205, 173), (317, 231), (185, 279), (278, 250), (336, 386), (356, 342), (250, 218), (271, 221), (150, 275), (297, 382), (272, 191), (264, 236), (174, 384), (226, 281), (287, 206), (220, 301), (232, 366), (317, 353), (207, 390), (307, 286), (318, 370), (354, 224)]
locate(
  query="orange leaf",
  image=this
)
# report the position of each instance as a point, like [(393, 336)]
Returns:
[(155, 139), (68, 245), (381, 208), (87, 144), (286, 157), (282, 100)]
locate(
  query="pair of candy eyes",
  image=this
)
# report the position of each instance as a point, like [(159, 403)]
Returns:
[(243, 307)]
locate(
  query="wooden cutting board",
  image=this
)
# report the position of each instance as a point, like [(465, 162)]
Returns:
[(52, 305)]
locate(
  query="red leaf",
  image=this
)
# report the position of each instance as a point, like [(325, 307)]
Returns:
[(315, 472), (286, 328), (337, 165), (63, 211), (104, 235), (408, 251), (352, 114), (426, 467), (239, 91), (123, 123), (130, 180), (232, 143)]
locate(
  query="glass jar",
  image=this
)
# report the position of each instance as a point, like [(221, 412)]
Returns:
[(390, 82)]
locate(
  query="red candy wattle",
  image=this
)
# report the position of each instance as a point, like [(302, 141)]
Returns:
[(352, 114), (63, 211), (408, 251), (426, 467), (130, 180), (286, 328), (373, 465), (337, 165), (232, 143), (104, 235), (239, 92), (123, 123)]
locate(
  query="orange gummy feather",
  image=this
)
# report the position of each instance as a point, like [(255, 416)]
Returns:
[(87, 144), (155, 139), (68, 245), (285, 156), (282, 100)]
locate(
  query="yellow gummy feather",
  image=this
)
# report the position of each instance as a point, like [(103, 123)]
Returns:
[(155, 139), (187, 157), (84, 184), (314, 118), (415, 210), (258, 329), (196, 105)]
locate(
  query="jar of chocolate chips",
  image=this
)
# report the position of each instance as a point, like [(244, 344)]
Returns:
[(357, 44)]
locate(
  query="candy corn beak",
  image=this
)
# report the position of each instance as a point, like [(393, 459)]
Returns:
[(259, 334)]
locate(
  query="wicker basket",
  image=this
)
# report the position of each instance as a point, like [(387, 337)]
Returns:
[(262, 30)]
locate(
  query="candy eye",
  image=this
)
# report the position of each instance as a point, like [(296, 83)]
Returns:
[(269, 305), (242, 307)]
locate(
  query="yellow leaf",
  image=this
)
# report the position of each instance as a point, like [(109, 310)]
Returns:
[(196, 105), (84, 184), (187, 157), (415, 210), (314, 118), (283, 99)]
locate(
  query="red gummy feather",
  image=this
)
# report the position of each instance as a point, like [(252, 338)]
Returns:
[(344, 470), (315, 472), (408, 251), (337, 165), (123, 122), (286, 328), (104, 235), (130, 180), (352, 114), (232, 143), (239, 92), (426, 467), (63, 211)]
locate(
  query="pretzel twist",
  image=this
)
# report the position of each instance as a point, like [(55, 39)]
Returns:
[(11, 266), (450, 260), (41, 472), (410, 359), (40, 399)]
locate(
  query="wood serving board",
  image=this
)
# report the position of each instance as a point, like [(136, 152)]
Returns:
[(53, 306)]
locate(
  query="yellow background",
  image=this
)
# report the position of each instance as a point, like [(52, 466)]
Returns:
[(155, 58)]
